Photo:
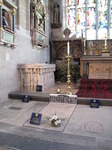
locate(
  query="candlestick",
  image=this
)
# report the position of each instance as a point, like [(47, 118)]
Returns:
[(84, 43), (68, 69), (68, 48), (68, 75)]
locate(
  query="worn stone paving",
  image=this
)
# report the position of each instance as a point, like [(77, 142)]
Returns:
[(54, 108), (86, 127)]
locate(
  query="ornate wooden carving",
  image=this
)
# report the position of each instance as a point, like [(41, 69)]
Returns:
[(95, 47), (58, 49)]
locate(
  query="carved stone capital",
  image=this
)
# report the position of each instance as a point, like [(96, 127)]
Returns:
[(1, 2), (13, 11)]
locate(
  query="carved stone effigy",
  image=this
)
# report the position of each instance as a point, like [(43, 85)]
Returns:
[(31, 75), (63, 98)]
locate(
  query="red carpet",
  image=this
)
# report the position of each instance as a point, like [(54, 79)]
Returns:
[(95, 88)]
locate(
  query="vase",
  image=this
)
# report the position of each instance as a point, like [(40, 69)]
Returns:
[(54, 125)]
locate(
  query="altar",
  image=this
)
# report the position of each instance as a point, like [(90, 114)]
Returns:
[(97, 61), (97, 67), (31, 75)]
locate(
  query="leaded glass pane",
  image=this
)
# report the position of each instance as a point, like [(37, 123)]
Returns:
[(71, 21), (111, 19), (80, 18), (102, 18), (91, 19)]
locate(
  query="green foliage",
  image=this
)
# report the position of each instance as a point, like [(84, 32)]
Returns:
[(61, 70)]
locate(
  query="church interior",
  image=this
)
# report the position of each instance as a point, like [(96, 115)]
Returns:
[(34, 46), (56, 58)]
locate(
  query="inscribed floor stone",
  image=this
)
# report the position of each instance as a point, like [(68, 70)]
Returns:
[(62, 110)]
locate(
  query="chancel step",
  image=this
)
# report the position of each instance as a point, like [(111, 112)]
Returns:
[(45, 97)]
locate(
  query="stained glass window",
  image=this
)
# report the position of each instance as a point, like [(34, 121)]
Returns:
[(71, 20), (102, 18), (91, 19), (111, 19), (80, 18)]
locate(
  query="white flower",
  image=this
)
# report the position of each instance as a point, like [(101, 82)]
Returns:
[(54, 117), (56, 123), (55, 120)]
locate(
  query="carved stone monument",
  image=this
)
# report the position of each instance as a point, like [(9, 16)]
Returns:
[(38, 13), (56, 16), (31, 75)]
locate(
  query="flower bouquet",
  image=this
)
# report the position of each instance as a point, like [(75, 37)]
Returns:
[(55, 121)]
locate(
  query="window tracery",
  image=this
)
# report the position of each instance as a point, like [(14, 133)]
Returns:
[(89, 19)]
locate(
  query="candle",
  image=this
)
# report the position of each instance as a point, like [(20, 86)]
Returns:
[(68, 48), (105, 40)]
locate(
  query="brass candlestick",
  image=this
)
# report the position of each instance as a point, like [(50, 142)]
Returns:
[(105, 46), (68, 75)]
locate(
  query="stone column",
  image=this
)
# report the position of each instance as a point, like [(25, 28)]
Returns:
[(13, 19), (1, 3), (85, 70), (34, 19)]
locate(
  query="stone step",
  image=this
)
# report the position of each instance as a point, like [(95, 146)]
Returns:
[(102, 102), (40, 96), (35, 96)]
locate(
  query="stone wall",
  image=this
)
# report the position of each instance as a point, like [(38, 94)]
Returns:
[(23, 53)]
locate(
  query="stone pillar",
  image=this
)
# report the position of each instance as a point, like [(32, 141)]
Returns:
[(1, 3), (85, 70), (34, 19), (13, 19)]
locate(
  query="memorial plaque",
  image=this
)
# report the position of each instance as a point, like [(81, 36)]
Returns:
[(63, 98), (26, 98), (35, 118), (39, 88), (94, 103)]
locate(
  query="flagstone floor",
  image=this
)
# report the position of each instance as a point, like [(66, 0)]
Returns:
[(83, 124)]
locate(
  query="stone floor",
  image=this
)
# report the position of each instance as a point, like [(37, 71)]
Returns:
[(87, 128)]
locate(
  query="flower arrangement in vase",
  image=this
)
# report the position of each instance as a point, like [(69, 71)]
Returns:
[(55, 121)]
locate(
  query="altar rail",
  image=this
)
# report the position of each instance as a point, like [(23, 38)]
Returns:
[(31, 75)]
